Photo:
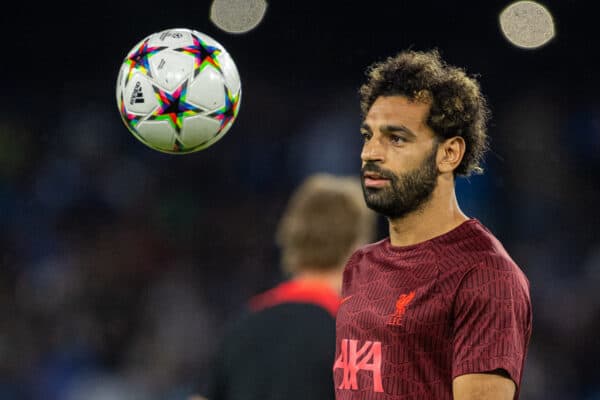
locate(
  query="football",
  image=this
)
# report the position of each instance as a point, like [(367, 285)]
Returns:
[(178, 91)]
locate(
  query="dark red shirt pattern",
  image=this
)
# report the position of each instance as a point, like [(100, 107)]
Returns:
[(413, 318)]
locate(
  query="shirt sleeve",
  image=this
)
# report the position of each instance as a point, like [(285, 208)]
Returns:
[(492, 321)]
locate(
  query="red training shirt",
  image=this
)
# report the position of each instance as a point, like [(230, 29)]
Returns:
[(413, 318)]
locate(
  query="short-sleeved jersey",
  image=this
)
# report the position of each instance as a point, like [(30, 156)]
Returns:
[(413, 318)]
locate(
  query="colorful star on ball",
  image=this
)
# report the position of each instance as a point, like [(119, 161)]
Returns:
[(229, 110), (139, 59), (173, 107), (203, 54)]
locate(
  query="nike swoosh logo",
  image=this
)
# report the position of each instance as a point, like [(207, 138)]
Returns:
[(345, 299)]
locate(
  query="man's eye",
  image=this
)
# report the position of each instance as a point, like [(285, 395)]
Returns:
[(365, 135), (397, 139)]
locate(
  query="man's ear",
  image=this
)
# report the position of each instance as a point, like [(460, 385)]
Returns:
[(450, 154)]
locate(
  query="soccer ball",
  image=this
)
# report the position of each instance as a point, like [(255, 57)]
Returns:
[(178, 91)]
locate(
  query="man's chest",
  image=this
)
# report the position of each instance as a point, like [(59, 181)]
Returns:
[(393, 328), (396, 307)]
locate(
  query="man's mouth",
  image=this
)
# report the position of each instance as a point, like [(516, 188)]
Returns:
[(373, 179)]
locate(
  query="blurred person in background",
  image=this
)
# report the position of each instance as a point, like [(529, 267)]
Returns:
[(283, 347), (437, 310)]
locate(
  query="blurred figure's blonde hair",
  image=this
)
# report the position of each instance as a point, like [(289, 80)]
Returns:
[(325, 220)]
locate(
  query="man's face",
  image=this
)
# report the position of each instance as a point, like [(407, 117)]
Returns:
[(399, 168)]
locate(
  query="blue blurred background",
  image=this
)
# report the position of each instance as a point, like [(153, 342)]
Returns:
[(120, 266)]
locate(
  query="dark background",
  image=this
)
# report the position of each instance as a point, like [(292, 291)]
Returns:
[(119, 265)]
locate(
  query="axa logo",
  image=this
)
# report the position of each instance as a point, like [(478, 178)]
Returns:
[(401, 304), (354, 360)]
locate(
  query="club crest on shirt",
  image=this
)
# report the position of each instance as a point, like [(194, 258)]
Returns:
[(401, 305)]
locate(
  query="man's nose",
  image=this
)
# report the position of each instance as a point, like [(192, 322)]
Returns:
[(372, 151)]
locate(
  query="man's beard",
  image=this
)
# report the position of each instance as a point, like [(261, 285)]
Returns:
[(404, 194)]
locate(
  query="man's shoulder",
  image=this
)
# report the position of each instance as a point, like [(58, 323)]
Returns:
[(480, 246), (476, 257), (486, 258)]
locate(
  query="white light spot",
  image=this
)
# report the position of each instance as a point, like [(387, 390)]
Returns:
[(237, 16), (527, 24)]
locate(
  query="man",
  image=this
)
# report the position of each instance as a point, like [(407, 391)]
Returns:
[(437, 310), (284, 347)]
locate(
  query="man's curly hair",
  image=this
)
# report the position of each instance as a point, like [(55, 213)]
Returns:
[(457, 106)]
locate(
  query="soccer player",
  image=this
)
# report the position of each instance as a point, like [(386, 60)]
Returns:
[(283, 348), (438, 309)]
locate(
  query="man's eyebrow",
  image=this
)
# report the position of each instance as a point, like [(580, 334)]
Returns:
[(365, 127), (398, 128)]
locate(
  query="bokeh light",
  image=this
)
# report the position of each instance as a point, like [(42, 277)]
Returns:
[(527, 24), (237, 16)]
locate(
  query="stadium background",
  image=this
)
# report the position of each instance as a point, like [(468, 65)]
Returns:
[(119, 265)]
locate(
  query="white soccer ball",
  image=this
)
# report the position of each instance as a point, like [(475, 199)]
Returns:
[(178, 91)]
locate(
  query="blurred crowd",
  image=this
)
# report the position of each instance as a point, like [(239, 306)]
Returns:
[(120, 266)]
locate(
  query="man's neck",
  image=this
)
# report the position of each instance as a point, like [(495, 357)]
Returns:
[(439, 215)]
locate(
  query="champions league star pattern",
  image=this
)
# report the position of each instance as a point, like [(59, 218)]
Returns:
[(173, 108), (172, 105), (203, 54), (229, 111), (138, 60)]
